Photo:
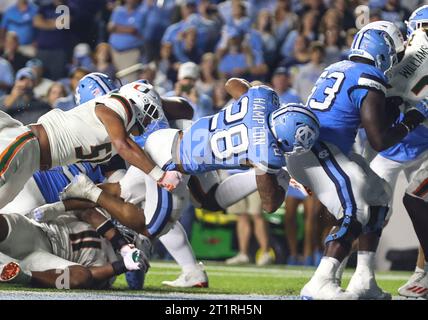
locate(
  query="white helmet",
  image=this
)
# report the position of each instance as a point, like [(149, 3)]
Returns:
[(393, 31), (145, 101)]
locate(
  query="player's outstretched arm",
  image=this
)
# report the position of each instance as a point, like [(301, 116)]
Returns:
[(271, 193), (380, 133), (131, 152), (236, 87), (177, 108)]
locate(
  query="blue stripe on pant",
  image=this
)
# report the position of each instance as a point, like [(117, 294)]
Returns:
[(342, 184), (162, 214)]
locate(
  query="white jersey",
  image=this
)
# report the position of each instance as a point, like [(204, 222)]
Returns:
[(410, 77), (79, 135), (77, 241)]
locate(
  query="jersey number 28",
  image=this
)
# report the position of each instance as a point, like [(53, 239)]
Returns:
[(226, 136)]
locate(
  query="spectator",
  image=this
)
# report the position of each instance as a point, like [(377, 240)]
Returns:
[(185, 48), (11, 53), (247, 210), (347, 18), (21, 103), (209, 74), (265, 28), (125, 36), (104, 61), (41, 85), (220, 95), (300, 53), (155, 20), (69, 102), (349, 38), (19, 19), (53, 44), (209, 26), (237, 57), (82, 57), (309, 73), (393, 11), (6, 76), (55, 91), (332, 44), (282, 86), (307, 29), (188, 75), (285, 20), (161, 84)]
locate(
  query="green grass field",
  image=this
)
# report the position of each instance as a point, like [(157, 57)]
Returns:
[(275, 280)]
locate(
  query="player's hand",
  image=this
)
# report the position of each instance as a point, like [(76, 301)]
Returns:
[(170, 180), (134, 258), (47, 212)]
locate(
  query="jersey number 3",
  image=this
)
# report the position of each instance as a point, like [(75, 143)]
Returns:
[(329, 91), (240, 132)]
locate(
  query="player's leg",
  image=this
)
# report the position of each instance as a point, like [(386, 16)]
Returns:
[(290, 224), (177, 244), (29, 198), (348, 193), (416, 202), (311, 231), (19, 236), (243, 232), (19, 159)]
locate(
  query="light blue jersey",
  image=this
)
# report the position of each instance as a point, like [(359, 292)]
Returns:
[(53, 181), (337, 98), (236, 137), (411, 147)]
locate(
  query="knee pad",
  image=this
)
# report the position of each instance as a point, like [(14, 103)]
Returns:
[(348, 231), (376, 220)]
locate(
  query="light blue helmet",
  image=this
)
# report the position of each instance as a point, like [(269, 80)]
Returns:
[(376, 46), (93, 85), (295, 127), (417, 20)]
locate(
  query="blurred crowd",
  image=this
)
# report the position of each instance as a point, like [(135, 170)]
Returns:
[(184, 47)]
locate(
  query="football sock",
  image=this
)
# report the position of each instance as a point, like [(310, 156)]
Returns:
[(327, 268), (341, 268), (177, 244), (366, 262)]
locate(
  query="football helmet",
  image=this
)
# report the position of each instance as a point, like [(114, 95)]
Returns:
[(418, 19), (93, 85)]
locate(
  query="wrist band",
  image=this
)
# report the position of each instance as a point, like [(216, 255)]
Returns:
[(119, 267), (118, 241), (106, 226), (156, 173)]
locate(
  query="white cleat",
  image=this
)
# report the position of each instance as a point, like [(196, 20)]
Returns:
[(81, 187), (366, 288), (240, 258), (325, 289), (197, 278), (416, 286)]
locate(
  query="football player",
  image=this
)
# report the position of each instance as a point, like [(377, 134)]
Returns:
[(350, 94), (92, 132), (38, 254)]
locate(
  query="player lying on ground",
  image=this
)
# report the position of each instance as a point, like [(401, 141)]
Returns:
[(349, 94), (63, 253)]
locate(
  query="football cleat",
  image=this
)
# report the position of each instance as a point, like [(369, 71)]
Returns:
[(11, 272), (81, 187), (366, 288), (325, 289), (196, 278), (240, 258), (416, 286)]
